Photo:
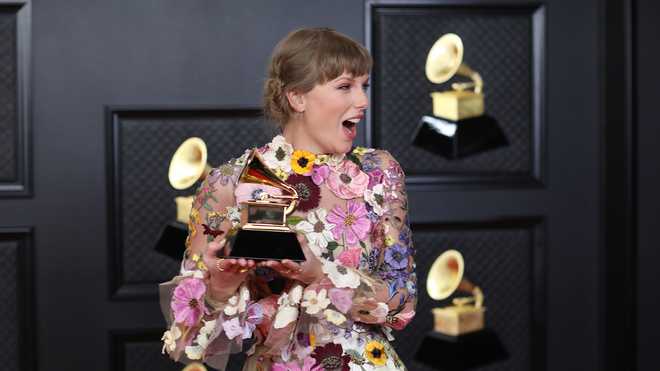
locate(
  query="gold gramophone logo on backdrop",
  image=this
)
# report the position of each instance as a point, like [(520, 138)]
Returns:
[(465, 314), (458, 126), (187, 166)]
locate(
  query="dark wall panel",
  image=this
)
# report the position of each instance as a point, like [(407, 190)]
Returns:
[(17, 352), (141, 143), (14, 98), (507, 260), (8, 96), (505, 44)]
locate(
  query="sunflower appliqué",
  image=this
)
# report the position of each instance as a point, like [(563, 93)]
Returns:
[(302, 161), (374, 351), (309, 193)]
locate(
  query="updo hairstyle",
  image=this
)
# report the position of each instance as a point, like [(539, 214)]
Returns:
[(307, 57)]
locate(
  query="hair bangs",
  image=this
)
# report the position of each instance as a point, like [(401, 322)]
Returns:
[(337, 55)]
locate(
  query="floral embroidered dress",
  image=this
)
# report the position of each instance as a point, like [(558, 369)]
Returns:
[(353, 214)]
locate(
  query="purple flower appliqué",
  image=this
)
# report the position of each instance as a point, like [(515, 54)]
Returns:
[(187, 301), (375, 177), (397, 256)]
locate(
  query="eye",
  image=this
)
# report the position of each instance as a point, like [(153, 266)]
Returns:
[(345, 87), (365, 86)]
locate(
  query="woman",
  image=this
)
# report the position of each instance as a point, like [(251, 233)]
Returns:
[(336, 310)]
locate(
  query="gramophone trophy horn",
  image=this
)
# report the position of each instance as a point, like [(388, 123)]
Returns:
[(264, 233), (444, 61), (195, 366), (188, 165), (466, 314)]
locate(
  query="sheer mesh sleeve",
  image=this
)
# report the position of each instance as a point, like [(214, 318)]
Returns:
[(201, 328)]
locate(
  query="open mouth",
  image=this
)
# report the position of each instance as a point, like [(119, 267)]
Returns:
[(349, 124)]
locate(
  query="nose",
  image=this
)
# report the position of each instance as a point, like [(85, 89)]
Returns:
[(362, 100)]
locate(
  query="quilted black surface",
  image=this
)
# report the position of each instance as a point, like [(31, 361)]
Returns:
[(9, 310), (498, 44), (8, 95)]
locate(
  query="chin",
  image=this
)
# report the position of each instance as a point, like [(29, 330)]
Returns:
[(343, 147)]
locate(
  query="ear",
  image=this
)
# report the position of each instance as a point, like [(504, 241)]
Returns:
[(296, 100)]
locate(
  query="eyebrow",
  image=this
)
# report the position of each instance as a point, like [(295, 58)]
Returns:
[(351, 79)]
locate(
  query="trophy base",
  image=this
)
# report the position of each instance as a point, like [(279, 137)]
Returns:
[(265, 245), (456, 139), (455, 321), (172, 241), (443, 352)]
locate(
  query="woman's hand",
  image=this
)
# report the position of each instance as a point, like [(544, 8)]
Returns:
[(225, 275), (307, 272)]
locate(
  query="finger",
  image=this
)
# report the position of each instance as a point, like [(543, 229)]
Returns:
[(307, 252), (225, 265), (212, 250), (292, 266)]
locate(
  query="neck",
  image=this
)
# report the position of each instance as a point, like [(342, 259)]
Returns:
[(295, 135)]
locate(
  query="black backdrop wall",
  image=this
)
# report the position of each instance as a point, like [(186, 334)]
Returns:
[(559, 230)]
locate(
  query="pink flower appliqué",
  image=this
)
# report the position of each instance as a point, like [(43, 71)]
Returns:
[(347, 180), (320, 173), (187, 301), (342, 299), (352, 225), (350, 257), (308, 365)]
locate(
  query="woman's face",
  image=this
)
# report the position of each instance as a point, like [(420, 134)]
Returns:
[(332, 112)]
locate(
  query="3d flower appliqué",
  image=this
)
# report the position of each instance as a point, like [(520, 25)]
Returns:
[(278, 154), (341, 276), (347, 180), (288, 307), (396, 256), (376, 198), (302, 161), (314, 302), (352, 224), (170, 337), (309, 193), (317, 230), (188, 301), (374, 351)]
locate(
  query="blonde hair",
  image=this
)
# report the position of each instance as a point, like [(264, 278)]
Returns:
[(304, 58)]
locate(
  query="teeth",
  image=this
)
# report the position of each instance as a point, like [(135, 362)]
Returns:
[(355, 121)]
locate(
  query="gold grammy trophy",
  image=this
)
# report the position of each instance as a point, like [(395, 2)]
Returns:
[(458, 126), (187, 166), (466, 314), (264, 233)]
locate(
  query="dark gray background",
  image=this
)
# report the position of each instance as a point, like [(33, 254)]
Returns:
[(598, 301)]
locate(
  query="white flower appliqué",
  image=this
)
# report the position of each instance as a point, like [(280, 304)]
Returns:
[(278, 155), (288, 307), (315, 302), (341, 276), (376, 198), (317, 230), (170, 337)]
